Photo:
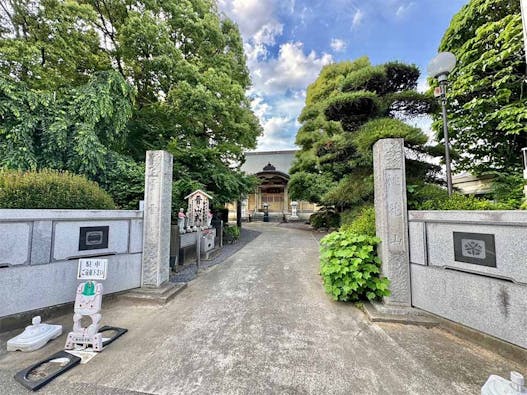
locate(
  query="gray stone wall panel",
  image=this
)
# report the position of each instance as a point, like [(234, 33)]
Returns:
[(66, 238), (25, 288), (16, 243), (495, 307)]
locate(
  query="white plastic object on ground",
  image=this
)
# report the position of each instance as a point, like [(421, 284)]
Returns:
[(34, 336), (497, 385)]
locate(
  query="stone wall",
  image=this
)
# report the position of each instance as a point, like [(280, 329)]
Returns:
[(40, 249), (487, 293), (467, 266)]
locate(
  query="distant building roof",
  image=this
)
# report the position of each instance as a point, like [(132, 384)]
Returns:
[(279, 160)]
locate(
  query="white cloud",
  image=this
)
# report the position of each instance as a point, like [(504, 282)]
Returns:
[(291, 70), (260, 107), (268, 33), (255, 18), (275, 135), (338, 45), (403, 9), (357, 18), (279, 78)]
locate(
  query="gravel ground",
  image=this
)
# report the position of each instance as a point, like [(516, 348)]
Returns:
[(189, 272)]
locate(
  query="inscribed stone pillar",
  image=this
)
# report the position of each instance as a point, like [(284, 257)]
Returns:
[(157, 214), (391, 217)]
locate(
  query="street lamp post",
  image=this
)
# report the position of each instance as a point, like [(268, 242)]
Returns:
[(439, 68)]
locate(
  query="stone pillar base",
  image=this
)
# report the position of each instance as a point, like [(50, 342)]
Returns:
[(154, 296)]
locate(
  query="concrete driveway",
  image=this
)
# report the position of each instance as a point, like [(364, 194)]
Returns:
[(260, 323)]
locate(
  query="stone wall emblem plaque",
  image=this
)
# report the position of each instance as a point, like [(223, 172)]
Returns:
[(475, 248), (93, 237)]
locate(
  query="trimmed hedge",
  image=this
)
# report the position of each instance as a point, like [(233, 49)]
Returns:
[(48, 189)]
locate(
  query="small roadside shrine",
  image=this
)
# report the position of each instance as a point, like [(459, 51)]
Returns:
[(198, 211)]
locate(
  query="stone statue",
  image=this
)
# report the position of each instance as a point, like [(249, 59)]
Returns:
[(181, 221), (187, 225), (209, 219)]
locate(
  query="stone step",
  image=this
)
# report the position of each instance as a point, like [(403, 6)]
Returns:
[(378, 312), (154, 296)]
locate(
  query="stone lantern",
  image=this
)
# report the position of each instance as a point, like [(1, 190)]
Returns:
[(294, 210)]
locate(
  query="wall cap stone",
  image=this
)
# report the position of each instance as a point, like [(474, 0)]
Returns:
[(57, 215), (497, 217)]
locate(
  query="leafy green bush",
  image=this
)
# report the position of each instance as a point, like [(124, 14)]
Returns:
[(508, 189), (363, 223), (48, 189), (231, 233), (433, 197), (350, 267), (421, 193), (462, 202), (324, 218)]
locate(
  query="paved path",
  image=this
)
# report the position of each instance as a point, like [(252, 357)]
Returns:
[(260, 323)]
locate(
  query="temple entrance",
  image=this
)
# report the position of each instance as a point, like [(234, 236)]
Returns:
[(274, 197), (272, 190)]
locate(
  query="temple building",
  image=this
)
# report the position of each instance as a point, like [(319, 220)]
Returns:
[(272, 169)]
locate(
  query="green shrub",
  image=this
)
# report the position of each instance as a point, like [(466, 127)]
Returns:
[(433, 197), (462, 202), (324, 218), (350, 267), (363, 222), (508, 189), (419, 194), (48, 189), (231, 232)]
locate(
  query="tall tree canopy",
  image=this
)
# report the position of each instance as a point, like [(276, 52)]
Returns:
[(348, 108), (90, 85), (487, 96)]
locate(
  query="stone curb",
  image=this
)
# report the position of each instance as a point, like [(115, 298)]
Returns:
[(377, 312)]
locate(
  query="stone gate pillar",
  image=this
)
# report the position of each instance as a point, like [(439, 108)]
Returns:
[(157, 218), (391, 218)]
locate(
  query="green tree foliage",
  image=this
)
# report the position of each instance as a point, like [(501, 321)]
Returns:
[(90, 85), (75, 128), (487, 93), (348, 108)]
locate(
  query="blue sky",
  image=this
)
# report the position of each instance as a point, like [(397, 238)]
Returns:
[(287, 42)]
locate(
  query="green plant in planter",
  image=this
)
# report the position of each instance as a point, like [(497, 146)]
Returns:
[(350, 267), (231, 233)]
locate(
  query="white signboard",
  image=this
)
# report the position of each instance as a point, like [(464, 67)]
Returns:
[(92, 269)]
